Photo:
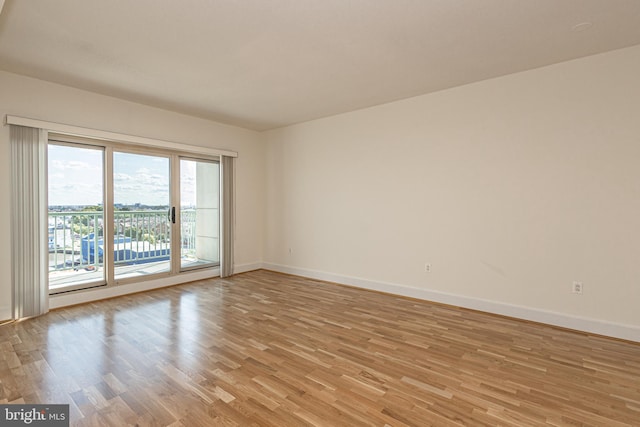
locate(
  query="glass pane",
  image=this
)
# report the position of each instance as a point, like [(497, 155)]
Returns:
[(199, 213), (76, 215), (142, 230)]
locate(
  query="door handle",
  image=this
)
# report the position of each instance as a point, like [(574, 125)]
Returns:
[(173, 214)]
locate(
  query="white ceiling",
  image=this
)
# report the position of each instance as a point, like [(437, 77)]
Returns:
[(263, 64)]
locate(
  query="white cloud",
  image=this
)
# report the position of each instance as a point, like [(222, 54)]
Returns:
[(69, 165), (122, 177)]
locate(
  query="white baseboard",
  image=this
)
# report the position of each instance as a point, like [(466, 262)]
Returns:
[(243, 268), (594, 326)]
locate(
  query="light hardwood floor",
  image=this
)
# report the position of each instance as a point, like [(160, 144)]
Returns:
[(266, 349)]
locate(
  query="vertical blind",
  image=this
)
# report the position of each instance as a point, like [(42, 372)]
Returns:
[(228, 216), (28, 221)]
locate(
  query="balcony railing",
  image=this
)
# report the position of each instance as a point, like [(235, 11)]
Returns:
[(76, 239)]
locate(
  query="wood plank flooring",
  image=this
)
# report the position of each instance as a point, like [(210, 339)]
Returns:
[(266, 349)]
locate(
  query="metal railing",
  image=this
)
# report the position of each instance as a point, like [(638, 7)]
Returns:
[(188, 232), (76, 239)]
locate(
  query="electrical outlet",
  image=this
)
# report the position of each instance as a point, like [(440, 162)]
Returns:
[(577, 288), (427, 268)]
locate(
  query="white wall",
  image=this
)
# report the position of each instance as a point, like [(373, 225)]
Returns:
[(512, 188), (22, 96)]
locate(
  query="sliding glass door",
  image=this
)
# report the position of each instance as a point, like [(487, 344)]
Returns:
[(141, 215), (199, 213), (76, 215), (117, 216)]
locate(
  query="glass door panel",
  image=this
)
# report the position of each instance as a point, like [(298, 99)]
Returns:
[(141, 215), (76, 216), (199, 213)]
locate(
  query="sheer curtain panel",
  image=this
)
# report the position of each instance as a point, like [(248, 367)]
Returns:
[(29, 221), (228, 216)]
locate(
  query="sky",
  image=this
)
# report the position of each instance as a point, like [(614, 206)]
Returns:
[(140, 179), (75, 178)]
